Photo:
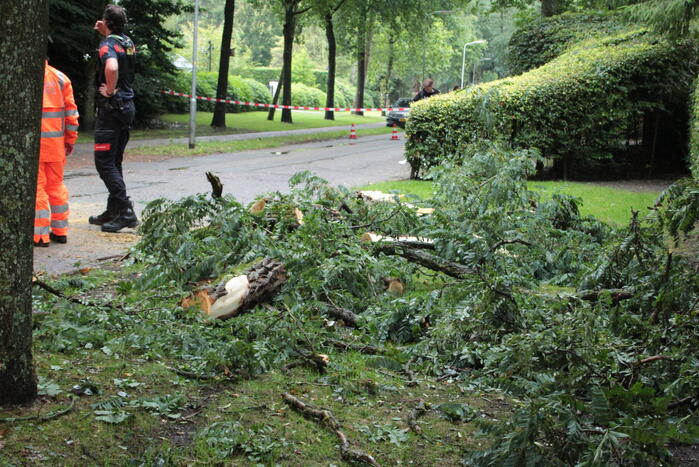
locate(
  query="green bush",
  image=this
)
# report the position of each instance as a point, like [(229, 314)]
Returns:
[(544, 39), (260, 92), (344, 94), (265, 74), (694, 132), (578, 109), (307, 96)]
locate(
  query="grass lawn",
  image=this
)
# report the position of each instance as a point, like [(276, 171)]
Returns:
[(606, 204), (247, 122)]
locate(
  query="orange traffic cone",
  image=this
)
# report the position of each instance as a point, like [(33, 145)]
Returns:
[(353, 132), (394, 133)]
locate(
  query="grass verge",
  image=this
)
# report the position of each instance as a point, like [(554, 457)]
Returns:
[(218, 147), (609, 205), (247, 122)]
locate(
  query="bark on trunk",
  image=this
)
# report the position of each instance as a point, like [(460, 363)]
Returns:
[(361, 64), (23, 43), (332, 52), (289, 30), (219, 118)]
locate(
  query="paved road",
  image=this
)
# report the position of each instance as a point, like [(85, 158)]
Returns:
[(244, 174)]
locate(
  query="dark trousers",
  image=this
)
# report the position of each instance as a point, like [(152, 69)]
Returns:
[(112, 131)]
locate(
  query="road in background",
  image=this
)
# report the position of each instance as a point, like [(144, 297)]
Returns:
[(245, 175)]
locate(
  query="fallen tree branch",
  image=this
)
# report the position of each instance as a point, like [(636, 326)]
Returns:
[(425, 259), (59, 294), (317, 361), (615, 294), (348, 317), (327, 418), (41, 418), (654, 358)]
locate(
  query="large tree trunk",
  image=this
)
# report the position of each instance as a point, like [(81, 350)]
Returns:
[(361, 64), (219, 119), (332, 53), (87, 115), (24, 49), (389, 71), (289, 30)]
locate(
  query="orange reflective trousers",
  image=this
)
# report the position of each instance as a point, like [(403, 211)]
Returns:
[(59, 127)]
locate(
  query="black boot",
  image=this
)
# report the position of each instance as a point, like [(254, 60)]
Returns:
[(58, 238), (125, 218), (111, 212)]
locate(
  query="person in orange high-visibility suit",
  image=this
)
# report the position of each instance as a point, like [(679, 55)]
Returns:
[(59, 131)]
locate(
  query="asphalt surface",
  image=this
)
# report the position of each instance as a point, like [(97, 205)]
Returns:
[(246, 175)]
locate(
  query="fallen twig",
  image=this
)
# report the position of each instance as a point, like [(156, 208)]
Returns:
[(428, 260), (41, 418), (190, 374), (59, 294), (348, 317), (654, 358), (328, 419), (419, 410)]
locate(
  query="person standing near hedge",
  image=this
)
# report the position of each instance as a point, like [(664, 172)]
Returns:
[(427, 90), (115, 115)]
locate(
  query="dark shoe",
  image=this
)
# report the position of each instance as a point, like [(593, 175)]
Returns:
[(109, 214), (41, 243), (58, 238), (127, 218), (106, 216)]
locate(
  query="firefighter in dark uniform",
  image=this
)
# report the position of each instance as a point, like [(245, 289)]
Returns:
[(428, 90), (115, 115)]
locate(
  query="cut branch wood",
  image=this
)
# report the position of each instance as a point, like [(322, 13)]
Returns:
[(652, 359), (413, 242), (228, 299), (348, 317), (327, 418), (425, 259), (216, 185)]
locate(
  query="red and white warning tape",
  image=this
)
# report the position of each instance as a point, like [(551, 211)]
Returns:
[(291, 107)]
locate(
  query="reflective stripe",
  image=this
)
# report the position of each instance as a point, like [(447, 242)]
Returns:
[(52, 134), (42, 213), (53, 114), (70, 113), (60, 209), (72, 127), (59, 224), (41, 231)]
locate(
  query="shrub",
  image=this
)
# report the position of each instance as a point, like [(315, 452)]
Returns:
[(260, 92), (578, 109), (344, 95), (307, 96), (239, 89)]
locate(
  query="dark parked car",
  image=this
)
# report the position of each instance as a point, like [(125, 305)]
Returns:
[(399, 116)]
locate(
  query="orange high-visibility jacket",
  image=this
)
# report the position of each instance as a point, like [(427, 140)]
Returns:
[(59, 122)]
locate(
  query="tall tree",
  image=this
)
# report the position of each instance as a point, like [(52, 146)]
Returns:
[(219, 118), (23, 43), (326, 9), (292, 9)]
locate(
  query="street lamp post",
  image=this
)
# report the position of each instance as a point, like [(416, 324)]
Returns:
[(463, 57)]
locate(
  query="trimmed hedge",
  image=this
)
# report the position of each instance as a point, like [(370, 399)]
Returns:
[(265, 74), (544, 39), (694, 132), (578, 109)]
